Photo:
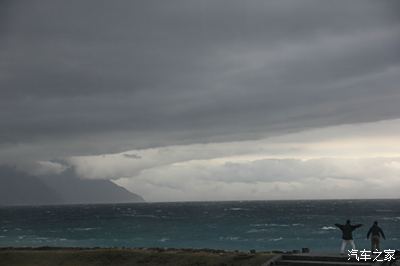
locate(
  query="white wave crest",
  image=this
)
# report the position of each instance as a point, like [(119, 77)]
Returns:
[(328, 228)]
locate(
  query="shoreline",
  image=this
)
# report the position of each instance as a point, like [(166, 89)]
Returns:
[(155, 249), (96, 256)]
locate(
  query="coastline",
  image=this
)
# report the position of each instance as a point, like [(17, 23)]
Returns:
[(77, 256)]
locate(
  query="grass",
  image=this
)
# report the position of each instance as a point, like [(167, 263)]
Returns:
[(125, 257)]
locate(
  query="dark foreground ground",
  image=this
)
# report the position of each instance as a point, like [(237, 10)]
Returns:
[(125, 257)]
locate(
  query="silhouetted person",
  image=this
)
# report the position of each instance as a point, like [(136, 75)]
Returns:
[(347, 234), (376, 232)]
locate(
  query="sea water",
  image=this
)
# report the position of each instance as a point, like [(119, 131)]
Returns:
[(259, 225)]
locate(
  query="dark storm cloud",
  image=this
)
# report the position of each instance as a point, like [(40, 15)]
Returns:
[(82, 77)]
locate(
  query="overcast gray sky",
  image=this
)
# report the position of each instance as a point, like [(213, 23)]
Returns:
[(84, 79)]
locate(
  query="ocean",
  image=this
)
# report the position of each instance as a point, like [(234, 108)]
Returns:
[(244, 225)]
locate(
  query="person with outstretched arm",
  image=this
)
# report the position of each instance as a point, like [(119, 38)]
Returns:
[(376, 232), (347, 234)]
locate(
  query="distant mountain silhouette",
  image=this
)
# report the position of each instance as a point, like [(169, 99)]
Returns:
[(19, 188)]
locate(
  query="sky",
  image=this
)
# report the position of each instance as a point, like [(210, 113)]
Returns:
[(205, 100)]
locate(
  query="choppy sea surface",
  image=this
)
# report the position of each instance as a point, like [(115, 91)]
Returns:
[(260, 225)]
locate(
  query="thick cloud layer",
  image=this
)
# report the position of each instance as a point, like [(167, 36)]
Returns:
[(271, 179), (95, 77), (192, 100), (370, 140), (337, 162)]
